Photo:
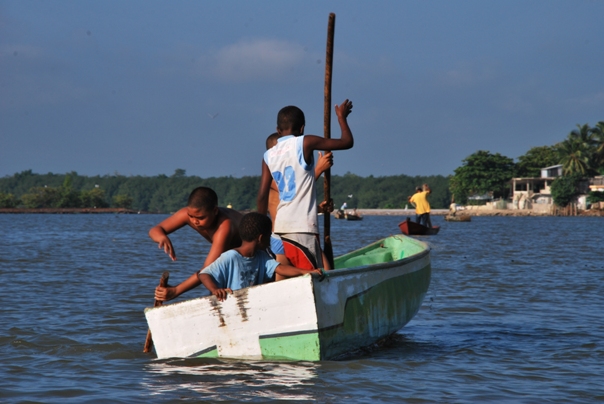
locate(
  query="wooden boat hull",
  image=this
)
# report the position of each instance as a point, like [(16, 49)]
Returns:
[(377, 290), (458, 218), (410, 228), (353, 217)]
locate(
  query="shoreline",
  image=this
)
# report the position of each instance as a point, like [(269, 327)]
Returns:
[(470, 212), (362, 212), (61, 211)]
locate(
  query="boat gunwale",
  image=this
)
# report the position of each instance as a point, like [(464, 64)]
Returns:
[(363, 268), (385, 265), (334, 272)]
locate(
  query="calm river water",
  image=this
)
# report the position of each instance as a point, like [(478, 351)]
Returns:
[(515, 313)]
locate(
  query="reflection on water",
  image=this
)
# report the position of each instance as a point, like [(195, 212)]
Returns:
[(224, 379)]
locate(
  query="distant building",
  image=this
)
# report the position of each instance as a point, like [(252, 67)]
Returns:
[(597, 183), (552, 172), (535, 193), (530, 191)]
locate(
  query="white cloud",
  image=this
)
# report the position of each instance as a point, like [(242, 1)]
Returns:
[(258, 59), (467, 75)]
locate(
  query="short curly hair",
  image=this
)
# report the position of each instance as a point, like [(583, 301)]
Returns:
[(254, 224), (291, 117), (203, 198)]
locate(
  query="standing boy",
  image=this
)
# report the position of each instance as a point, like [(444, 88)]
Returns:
[(290, 163), (219, 226), (324, 162)]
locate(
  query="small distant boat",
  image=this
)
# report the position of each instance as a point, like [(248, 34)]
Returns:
[(372, 293), (341, 214), (415, 229), (350, 216), (458, 218)]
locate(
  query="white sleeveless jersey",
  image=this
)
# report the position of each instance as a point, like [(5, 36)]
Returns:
[(297, 210)]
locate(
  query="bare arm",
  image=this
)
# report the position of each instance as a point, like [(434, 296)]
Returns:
[(220, 242), (345, 142), (172, 292), (209, 283), (265, 186), (159, 233), (281, 259), (288, 271), (326, 265), (273, 204)]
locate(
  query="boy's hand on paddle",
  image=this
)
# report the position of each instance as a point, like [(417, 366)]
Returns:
[(326, 206), (166, 244), (164, 294), (221, 294), (324, 161), (344, 109)]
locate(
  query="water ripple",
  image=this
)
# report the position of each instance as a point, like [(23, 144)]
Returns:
[(513, 314)]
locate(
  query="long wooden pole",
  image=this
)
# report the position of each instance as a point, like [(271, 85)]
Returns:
[(327, 246), (162, 282)]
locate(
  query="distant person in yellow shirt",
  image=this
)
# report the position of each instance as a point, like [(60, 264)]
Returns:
[(422, 206), (417, 191)]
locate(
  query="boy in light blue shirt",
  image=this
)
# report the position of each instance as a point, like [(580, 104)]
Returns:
[(247, 265)]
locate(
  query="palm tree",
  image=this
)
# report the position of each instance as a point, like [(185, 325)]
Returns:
[(576, 151), (598, 155)]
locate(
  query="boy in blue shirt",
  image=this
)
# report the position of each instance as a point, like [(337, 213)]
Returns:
[(244, 266)]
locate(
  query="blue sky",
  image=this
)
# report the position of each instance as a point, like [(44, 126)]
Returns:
[(146, 87)]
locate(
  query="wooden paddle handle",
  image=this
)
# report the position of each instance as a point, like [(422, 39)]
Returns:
[(327, 246), (162, 282)]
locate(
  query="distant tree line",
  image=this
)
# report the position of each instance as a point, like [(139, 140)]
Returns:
[(165, 194), (581, 155)]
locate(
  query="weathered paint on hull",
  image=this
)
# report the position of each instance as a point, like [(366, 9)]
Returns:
[(376, 312), (355, 307), (235, 328)]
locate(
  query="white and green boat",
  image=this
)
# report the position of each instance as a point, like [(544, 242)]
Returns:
[(372, 293)]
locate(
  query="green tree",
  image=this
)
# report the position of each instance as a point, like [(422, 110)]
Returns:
[(598, 155), (42, 197), (94, 198), (565, 188), (480, 173), (531, 163), (595, 196), (8, 200), (577, 151), (122, 201), (167, 194), (69, 198), (179, 173)]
